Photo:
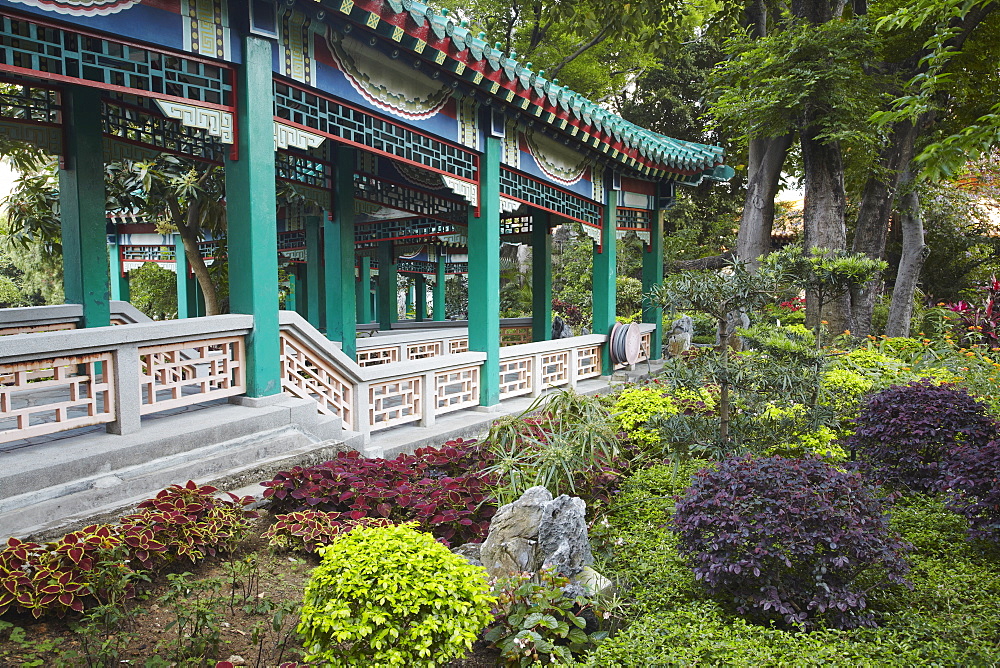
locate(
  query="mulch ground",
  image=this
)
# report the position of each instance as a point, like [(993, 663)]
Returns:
[(251, 630)]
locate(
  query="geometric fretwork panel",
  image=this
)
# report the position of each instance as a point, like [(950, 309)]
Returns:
[(63, 52), (32, 115), (130, 120), (359, 127), (27, 103), (400, 229), (515, 225), (522, 188), (371, 189), (302, 169), (634, 219)]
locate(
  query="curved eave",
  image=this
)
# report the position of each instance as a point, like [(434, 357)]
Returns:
[(492, 77)]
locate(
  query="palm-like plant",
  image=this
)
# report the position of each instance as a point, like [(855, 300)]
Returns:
[(553, 443)]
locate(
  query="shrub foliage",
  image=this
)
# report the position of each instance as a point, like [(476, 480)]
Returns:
[(796, 540), (392, 596), (426, 487), (972, 478), (906, 431)]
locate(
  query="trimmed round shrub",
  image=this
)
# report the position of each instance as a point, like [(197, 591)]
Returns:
[(392, 596), (791, 540), (972, 478), (905, 431)]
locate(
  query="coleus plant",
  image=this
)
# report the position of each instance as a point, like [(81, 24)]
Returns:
[(425, 487)]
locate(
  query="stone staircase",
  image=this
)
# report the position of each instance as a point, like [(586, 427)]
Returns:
[(49, 487)]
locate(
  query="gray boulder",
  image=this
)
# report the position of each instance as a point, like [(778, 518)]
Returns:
[(537, 531), (562, 536), (470, 551), (511, 546)]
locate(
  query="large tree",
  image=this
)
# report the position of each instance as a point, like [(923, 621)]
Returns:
[(833, 74)]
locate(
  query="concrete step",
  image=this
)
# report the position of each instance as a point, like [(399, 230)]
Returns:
[(48, 501)]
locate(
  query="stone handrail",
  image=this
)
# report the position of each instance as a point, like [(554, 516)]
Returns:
[(30, 319), (58, 380), (379, 396)]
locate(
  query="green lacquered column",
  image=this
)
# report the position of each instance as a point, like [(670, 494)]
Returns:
[(387, 286), (291, 300), (119, 280), (420, 286), (364, 296), (408, 304), (605, 273), (484, 273), (196, 300), (439, 283), (82, 208), (652, 275), (185, 307), (314, 270), (338, 246), (541, 277), (252, 213)]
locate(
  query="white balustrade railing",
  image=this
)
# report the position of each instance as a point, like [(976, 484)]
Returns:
[(35, 319), (58, 380)]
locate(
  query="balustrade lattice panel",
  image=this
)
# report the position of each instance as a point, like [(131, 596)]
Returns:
[(458, 346), (515, 377), (512, 336), (456, 389), (34, 329), (588, 362), (554, 368), (645, 345), (394, 402), (373, 356), (190, 372), (419, 351), (51, 395), (305, 375)]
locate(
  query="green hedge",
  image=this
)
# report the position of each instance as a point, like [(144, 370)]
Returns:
[(950, 618)]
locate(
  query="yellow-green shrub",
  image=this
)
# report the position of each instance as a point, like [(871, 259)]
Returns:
[(392, 596), (802, 441), (635, 406)]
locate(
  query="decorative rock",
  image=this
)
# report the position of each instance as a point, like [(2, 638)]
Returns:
[(537, 531), (562, 536), (593, 583), (471, 552), (510, 546), (681, 332), (560, 330)]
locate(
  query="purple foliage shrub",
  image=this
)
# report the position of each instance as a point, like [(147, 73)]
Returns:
[(791, 540), (905, 432), (972, 478)]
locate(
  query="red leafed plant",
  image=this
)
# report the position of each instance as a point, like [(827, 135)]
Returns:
[(187, 521), (980, 323), (431, 487), (57, 577), (309, 529)]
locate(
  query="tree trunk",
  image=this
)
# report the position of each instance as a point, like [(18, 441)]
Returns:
[(873, 216), (767, 157), (186, 228), (823, 214), (914, 254)]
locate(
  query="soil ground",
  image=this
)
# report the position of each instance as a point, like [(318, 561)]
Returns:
[(244, 609)]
